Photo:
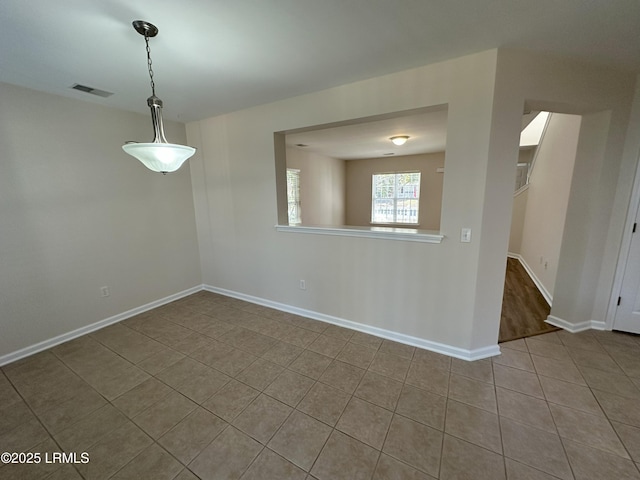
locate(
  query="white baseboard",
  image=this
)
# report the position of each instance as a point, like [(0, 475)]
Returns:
[(65, 337), (576, 327), (545, 293), (442, 348)]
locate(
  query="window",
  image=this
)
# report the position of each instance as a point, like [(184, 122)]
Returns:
[(395, 198), (293, 196)]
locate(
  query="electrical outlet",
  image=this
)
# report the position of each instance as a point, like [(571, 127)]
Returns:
[(303, 285), (104, 291)]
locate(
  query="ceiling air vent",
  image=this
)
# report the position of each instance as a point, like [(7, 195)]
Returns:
[(91, 90)]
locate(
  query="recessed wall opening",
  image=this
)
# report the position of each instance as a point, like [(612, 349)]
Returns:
[(351, 174), (545, 170)]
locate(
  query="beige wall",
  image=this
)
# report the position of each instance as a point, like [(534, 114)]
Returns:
[(449, 293), (322, 184), (548, 197), (77, 214), (517, 220), (358, 186)]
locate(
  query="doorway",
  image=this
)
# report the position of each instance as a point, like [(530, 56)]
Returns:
[(538, 220)]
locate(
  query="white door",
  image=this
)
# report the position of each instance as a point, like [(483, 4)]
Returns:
[(627, 318)]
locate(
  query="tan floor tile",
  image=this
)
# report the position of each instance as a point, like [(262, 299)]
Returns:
[(424, 376), (630, 437), (290, 387), (300, 439), (234, 362), (327, 346), (300, 337), (28, 471), (592, 430), (282, 353), (610, 382), (248, 340), (464, 461), (390, 365), (365, 422), (271, 465), (260, 374), (338, 332), (519, 345), (570, 395), (114, 451), (628, 360), (324, 403), (593, 464), (473, 425), (14, 414), (160, 360), (345, 458), (113, 387), (561, 369), (551, 337), (525, 409), (473, 392), (69, 412), (479, 370), (519, 471), (23, 437), (342, 376), (191, 435), (65, 472), (547, 349), (358, 355), (305, 323), (395, 348), (310, 364), (536, 448), (600, 361), (413, 443), (380, 390), (88, 431), (514, 359), (432, 359), (366, 340), (262, 418), (165, 414), (128, 343), (389, 468), (517, 380), (191, 343), (619, 409), (584, 340), (422, 406), (232, 399), (141, 397), (153, 462), (227, 457)]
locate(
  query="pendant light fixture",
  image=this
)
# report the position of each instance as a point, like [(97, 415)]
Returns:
[(159, 155)]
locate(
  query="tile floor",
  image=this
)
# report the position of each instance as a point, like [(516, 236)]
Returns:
[(211, 387)]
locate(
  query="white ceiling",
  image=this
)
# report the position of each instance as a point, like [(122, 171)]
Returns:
[(427, 133), (216, 56)]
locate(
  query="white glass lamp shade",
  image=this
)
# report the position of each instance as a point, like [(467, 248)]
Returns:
[(160, 157)]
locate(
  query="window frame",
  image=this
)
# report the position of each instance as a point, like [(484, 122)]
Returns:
[(296, 198), (395, 198)]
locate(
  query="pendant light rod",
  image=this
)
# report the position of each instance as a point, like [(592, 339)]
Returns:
[(159, 155)]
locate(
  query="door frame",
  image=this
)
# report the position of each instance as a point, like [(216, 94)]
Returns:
[(625, 246)]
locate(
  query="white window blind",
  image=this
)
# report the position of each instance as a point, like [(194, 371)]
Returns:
[(293, 196), (395, 198)]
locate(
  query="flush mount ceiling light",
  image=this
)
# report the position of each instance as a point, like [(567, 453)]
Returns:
[(159, 155), (399, 139)]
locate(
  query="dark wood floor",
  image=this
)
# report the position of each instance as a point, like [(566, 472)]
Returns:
[(524, 309)]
